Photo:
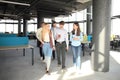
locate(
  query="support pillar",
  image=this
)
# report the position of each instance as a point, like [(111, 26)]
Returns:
[(40, 19), (89, 23), (101, 35), (24, 27), (19, 26)]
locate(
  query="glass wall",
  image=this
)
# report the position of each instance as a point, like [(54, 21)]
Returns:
[(32, 26), (8, 26), (2, 28), (11, 26), (115, 23), (78, 16)]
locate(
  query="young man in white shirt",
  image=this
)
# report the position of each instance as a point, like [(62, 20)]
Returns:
[(62, 43)]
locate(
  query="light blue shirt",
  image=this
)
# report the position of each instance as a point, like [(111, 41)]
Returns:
[(76, 42)]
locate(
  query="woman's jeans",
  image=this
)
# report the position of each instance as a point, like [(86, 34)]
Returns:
[(76, 56), (48, 53), (47, 50)]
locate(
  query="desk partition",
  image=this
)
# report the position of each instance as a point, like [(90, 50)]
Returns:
[(13, 41)]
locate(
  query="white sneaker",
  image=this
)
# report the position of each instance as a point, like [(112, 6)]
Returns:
[(41, 58), (43, 61), (78, 71)]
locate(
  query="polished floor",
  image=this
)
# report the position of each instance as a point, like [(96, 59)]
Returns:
[(15, 66)]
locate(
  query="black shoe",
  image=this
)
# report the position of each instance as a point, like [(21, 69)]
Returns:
[(47, 72), (59, 65), (53, 59), (64, 68)]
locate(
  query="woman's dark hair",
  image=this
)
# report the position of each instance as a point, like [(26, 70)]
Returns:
[(78, 29), (53, 22)]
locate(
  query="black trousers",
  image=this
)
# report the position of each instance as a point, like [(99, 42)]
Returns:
[(41, 52), (53, 52)]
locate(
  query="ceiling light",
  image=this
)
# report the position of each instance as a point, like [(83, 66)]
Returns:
[(16, 3)]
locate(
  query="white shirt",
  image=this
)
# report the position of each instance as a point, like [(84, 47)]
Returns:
[(63, 35), (38, 34), (46, 39)]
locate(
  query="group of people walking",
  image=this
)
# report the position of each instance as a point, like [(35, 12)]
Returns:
[(54, 41)]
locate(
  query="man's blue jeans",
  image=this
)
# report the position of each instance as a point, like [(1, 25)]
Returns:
[(76, 56)]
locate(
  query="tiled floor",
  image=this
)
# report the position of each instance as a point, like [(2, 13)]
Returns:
[(15, 66)]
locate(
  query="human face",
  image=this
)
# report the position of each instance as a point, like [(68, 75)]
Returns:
[(61, 26), (47, 26), (54, 25), (75, 27)]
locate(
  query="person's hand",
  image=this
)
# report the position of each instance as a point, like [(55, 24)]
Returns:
[(75, 38), (58, 36), (66, 48), (53, 48), (42, 42)]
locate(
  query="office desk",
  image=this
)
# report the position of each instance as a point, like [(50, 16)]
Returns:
[(83, 45), (21, 47)]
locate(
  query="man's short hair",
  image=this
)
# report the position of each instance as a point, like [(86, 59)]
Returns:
[(61, 22), (54, 22)]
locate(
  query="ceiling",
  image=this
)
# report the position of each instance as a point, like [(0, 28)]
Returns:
[(14, 9)]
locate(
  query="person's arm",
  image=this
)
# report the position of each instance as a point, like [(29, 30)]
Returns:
[(79, 38), (67, 41), (54, 35), (39, 35), (53, 40), (71, 37)]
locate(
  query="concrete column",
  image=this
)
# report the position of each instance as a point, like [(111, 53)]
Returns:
[(40, 19), (101, 35), (24, 27), (89, 24), (19, 26)]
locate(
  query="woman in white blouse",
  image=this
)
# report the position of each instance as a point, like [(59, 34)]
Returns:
[(47, 41)]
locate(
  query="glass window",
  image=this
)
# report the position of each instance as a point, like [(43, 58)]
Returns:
[(47, 20), (115, 26), (2, 20), (9, 20), (81, 15), (66, 19), (31, 28), (72, 17), (21, 27), (83, 27), (70, 28), (58, 19), (15, 21), (115, 7), (35, 27), (31, 21), (9, 28), (2, 28), (15, 28)]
